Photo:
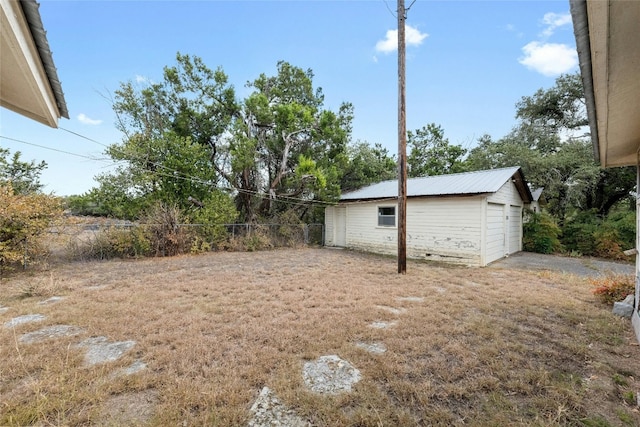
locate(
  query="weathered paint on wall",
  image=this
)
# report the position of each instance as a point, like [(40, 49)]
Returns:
[(469, 230)]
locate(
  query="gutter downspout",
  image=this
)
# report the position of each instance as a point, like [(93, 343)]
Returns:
[(583, 46)]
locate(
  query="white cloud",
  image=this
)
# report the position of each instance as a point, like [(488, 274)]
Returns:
[(412, 37), (82, 118), (553, 21), (141, 79), (549, 59)]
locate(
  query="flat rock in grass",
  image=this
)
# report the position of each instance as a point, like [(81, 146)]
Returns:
[(50, 332), (410, 299), (375, 348), (100, 350), (392, 310), (330, 375), (4, 309), (134, 368), (268, 411), (51, 300), (27, 318), (382, 325)]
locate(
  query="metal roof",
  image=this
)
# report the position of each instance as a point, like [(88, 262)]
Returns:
[(32, 14), (479, 182)]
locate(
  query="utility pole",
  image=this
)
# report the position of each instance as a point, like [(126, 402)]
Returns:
[(402, 145)]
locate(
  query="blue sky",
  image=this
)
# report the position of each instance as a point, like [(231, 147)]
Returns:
[(468, 63)]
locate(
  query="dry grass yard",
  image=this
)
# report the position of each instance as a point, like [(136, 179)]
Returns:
[(485, 347)]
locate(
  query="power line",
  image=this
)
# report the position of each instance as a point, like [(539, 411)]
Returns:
[(54, 149), (172, 173), (83, 137)]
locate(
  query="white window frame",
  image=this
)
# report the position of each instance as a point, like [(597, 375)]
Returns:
[(380, 216)]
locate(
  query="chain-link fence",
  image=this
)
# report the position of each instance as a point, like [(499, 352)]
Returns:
[(124, 239)]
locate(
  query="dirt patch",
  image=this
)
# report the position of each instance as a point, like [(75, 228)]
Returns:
[(129, 409)]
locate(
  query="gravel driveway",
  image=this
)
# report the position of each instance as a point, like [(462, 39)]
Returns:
[(584, 266)]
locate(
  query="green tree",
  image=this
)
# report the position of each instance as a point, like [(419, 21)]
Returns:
[(172, 132), (285, 145), (431, 153), (24, 177), (552, 146), (367, 165)]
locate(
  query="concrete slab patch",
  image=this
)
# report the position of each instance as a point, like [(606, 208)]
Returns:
[(375, 348), (392, 310), (51, 300), (330, 375), (134, 368), (50, 332), (27, 318), (410, 299), (382, 325), (268, 411), (100, 350)]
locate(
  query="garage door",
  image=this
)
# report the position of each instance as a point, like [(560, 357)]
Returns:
[(515, 229), (496, 247)]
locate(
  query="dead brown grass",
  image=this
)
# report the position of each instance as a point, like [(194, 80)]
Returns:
[(486, 346)]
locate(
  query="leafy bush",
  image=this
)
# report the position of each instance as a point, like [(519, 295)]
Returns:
[(167, 237), (607, 244), (131, 242), (216, 211), (592, 236), (578, 233), (613, 288), (24, 219), (541, 234)]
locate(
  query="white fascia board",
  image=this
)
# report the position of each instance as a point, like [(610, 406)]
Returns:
[(17, 35)]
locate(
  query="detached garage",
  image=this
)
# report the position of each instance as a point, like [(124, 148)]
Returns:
[(469, 218)]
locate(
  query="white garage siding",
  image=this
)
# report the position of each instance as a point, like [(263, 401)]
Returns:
[(447, 229), (471, 218)]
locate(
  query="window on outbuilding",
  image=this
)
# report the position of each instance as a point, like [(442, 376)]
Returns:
[(386, 216)]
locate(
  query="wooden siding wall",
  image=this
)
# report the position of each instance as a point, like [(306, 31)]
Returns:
[(469, 230), (447, 229)]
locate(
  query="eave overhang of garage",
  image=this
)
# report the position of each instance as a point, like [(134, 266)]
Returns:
[(608, 43)]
